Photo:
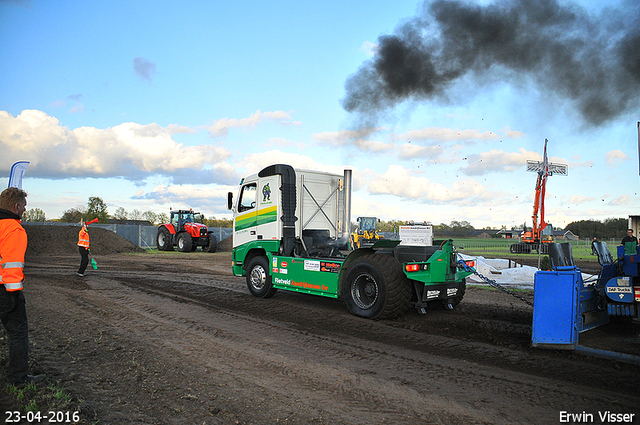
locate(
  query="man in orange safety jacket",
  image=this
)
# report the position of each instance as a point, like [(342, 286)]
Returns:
[(13, 311), (83, 248)]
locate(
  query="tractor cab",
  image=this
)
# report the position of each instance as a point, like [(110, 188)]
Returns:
[(182, 217)]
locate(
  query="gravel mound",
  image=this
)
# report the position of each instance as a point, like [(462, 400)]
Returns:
[(44, 240)]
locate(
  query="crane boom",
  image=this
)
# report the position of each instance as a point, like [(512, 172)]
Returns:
[(530, 240)]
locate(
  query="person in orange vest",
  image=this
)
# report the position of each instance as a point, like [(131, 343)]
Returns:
[(83, 247), (13, 311)]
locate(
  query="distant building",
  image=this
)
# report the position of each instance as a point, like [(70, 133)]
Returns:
[(509, 234), (483, 233), (566, 235)]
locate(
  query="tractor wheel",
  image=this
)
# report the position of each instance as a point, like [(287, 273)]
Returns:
[(164, 240), (258, 278), (376, 287), (184, 242), (213, 244)]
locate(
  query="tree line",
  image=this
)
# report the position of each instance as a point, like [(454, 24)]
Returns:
[(610, 228)]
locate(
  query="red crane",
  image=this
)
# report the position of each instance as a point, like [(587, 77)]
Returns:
[(533, 239)]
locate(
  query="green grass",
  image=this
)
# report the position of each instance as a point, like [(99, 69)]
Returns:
[(42, 397), (492, 247)]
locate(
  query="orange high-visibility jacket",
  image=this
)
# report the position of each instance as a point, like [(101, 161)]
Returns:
[(13, 245), (83, 238)]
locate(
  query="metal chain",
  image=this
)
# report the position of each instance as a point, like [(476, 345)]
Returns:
[(493, 282)]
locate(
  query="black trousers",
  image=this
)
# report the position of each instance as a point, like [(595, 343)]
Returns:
[(84, 261), (13, 313)]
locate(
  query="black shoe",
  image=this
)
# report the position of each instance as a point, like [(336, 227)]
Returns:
[(29, 379), (34, 379)]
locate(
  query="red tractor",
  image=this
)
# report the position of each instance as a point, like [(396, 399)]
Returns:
[(186, 231)]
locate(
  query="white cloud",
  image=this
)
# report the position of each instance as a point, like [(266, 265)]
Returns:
[(411, 150), (77, 108), (167, 193), (446, 135), (221, 127), (621, 200), (578, 199), (58, 104), (177, 129), (401, 182), (585, 164), (512, 134), (498, 160), (343, 136), (356, 138), (255, 162), (128, 150), (207, 199), (613, 158), (373, 146)]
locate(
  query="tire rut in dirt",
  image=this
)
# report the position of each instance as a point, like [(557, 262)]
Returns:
[(420, 337)]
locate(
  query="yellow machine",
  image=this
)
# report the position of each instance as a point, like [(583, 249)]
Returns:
[(366, 233)]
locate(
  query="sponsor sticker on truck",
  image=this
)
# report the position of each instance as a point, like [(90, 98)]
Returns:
[(327, 266), (312, 266)]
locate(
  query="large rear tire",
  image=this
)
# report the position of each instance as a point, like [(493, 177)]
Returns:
[(213, 244), (258, 278), (185, 242), (376, 287), (164, 240)]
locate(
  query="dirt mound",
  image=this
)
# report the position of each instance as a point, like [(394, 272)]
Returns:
[(226, 245), (45, 239)]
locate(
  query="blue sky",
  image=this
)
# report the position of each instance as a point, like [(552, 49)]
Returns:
[(152, 105)]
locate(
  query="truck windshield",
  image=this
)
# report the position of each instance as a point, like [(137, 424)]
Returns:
[(368, 223)]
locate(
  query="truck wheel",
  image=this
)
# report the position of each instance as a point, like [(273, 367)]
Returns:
[(376, 287), (259, 279), (164, 240), (185, 242), (462, 288), (213, 244)]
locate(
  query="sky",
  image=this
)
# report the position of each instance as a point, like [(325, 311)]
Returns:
[(436, 106)]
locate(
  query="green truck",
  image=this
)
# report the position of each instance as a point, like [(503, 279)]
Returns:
[(291, 232)]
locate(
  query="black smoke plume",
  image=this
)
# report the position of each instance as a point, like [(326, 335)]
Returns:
[(592, 61)]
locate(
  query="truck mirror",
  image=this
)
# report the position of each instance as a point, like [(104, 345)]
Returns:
[(229, 200)]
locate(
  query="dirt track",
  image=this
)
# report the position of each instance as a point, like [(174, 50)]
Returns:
[(175, 339)]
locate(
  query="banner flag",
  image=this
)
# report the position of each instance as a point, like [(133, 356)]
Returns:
[(17, 171)]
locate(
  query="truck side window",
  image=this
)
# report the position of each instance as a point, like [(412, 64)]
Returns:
[(247, 198)]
